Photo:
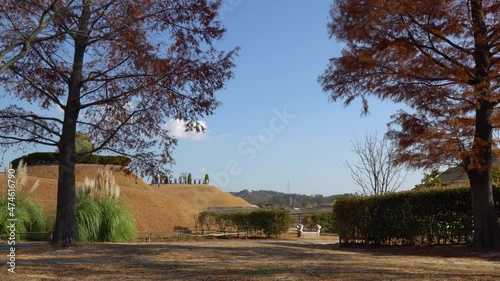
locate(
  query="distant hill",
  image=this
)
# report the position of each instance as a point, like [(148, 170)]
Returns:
[(270, 198)]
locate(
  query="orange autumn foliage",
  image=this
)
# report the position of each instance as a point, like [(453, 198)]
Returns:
[(441, 59)]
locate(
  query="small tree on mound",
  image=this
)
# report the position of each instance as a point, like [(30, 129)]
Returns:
[(83, 143), (430, 180), (207, 179), (190, 179)]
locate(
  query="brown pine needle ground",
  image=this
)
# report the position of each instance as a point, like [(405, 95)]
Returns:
[(240, 259)]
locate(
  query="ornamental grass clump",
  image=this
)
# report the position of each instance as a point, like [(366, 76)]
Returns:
[(102, 186), (18, 204), (101, 215)]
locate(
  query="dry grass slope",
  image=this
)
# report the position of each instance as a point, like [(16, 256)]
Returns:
[(202, 196), (156, 209)]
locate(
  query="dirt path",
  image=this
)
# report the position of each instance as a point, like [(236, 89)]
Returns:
[(251, 260)]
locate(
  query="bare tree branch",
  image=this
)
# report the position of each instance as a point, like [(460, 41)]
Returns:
[(375, 171), (21, 46)]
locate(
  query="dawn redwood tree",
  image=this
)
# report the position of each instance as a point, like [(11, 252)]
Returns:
[(375, 170), (24, 24), (118, 70), (441, 59)]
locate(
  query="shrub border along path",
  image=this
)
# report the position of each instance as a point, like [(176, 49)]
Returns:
[(291, 259)]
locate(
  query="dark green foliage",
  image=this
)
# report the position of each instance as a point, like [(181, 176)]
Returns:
[(431, 180), (326, 220), (53, 158), (190, 179), (207, 179), (270, 222), (104, 160), (428, 216)]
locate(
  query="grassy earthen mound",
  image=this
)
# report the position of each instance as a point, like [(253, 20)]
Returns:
[(202, 197), (155, 209)]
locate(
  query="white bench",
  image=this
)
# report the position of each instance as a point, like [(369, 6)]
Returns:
[(308, 234)]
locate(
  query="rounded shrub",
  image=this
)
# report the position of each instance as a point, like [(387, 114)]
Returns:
[(271, 222)]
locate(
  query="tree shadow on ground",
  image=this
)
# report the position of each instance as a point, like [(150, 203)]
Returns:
[(231, 260), (441, 251), (216, 263)]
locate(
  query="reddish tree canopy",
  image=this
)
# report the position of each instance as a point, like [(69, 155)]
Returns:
[(24, 24), (440, 58), (143, 63), (119, 70)]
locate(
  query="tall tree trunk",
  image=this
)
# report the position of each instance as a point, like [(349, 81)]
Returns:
[(66, 231), (486, 227)]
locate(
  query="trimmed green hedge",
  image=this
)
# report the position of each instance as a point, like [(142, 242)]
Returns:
[(271, 222), (326, 220), (41, 158), (429, 216)]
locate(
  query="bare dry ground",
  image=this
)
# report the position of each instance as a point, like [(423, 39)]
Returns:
[(245, 259)]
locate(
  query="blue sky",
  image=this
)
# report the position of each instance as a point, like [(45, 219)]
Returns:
[(284, 48), (275, 124)]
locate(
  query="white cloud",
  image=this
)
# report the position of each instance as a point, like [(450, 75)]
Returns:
[(177, 129)]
